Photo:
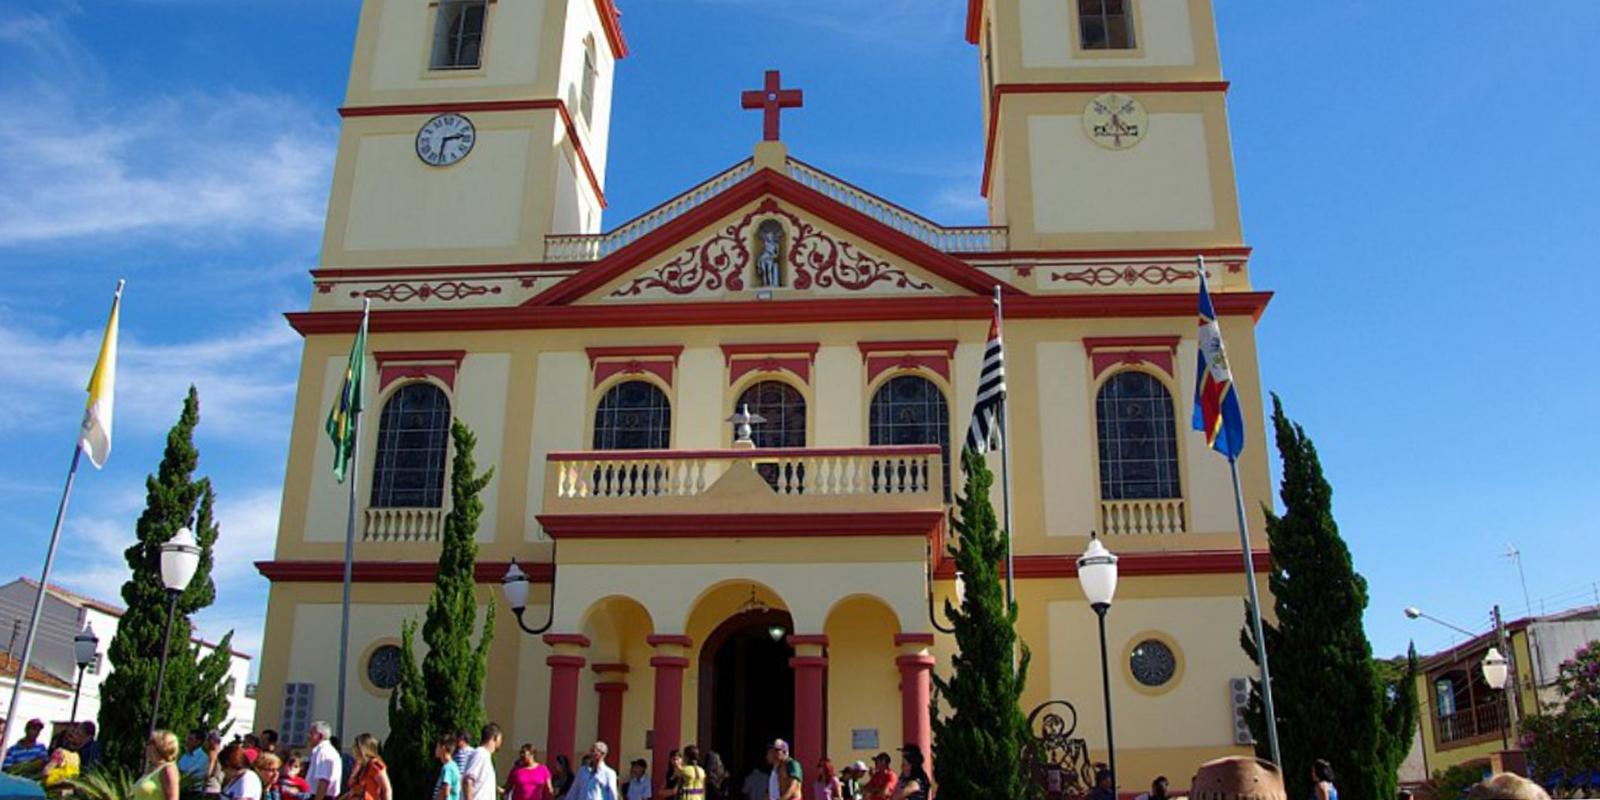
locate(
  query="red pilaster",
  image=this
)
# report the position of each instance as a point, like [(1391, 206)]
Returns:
[(916, 666), (610, 686), (669, 663), (565, 664), (810, 664)]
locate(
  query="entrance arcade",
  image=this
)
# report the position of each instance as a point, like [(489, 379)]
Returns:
[(746, 688)]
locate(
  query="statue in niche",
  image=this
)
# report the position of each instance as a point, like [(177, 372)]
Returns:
[(769, 264)]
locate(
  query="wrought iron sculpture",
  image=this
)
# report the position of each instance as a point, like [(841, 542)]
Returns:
[(1058, 762)]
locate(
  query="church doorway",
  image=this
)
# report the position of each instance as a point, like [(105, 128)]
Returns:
[(746, 689)]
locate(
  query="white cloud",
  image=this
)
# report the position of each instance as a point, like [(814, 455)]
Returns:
[(87, 162), (246, 380)]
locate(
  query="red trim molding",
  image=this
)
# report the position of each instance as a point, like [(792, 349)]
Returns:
[(542, 104), (611, 23), (1001, 90), (394, 365), (878, 309), (489, 572), (673, 639), (796, 358), (880, 357), (660, 361), (1106, 352), (1171, 562), (819, 639), (740, 526), (903, 639), (577, 639)]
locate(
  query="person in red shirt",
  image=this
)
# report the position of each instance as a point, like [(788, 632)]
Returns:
[(881, 785), (290, 785)]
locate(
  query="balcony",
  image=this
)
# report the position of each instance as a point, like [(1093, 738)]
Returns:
[(764, 481), (1142, 517), (1469, 725), (403, 524)]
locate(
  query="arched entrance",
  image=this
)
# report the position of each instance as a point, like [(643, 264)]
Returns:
[(746, 688)]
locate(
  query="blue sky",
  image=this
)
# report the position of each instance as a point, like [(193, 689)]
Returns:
[(1416, 179)]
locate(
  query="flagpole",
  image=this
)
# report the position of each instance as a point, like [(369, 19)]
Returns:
[(352, 474), (1255, 615), (38, 597), (1005, 448)]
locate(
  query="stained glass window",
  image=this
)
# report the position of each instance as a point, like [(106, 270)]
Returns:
[(1138, 440), (383, 667), (633, 415), (1152, 663), (784, 409), (910, 409), (413, 441)]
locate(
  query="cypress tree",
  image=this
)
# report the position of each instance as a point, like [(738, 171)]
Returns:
[(447, 692), (1331, 698), (194, 694), (978, 748)]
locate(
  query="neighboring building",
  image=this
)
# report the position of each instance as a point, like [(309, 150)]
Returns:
[(53, 671), (705, 592), (1462, 718)]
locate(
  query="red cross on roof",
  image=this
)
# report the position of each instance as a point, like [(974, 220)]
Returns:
[(771, 100)]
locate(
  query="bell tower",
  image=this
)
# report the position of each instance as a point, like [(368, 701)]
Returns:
[(1105, 123), (472, 129)]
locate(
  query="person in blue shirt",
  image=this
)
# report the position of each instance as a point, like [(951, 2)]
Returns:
[(449, 785), (595, 780), (28, 748)]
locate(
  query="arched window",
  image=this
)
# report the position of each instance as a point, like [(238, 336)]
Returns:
[(784, 409), (413, 441), (590, 73), (910, 409), (1138, 438), (633, 415)]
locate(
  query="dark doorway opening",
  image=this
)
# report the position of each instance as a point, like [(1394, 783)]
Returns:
[(746, 689)]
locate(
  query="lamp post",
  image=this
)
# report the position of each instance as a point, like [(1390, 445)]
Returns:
[(514, 587), (84, 647), (1097, 573), (180, 557), (1412, 612), (1495, 672)]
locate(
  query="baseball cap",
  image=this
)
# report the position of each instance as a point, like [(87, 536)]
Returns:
[(779, 745), (859, 766)]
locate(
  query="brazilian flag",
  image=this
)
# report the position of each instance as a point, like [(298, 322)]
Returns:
[(342, 417)]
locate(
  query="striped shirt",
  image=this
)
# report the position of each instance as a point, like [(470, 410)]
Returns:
[(20, 753)]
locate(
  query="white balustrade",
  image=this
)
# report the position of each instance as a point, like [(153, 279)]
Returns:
[(967, 239), (403, 524), (790, 472), (595, 246), (1141, 517)]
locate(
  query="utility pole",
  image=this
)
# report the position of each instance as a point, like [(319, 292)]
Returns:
[(1513, 684)]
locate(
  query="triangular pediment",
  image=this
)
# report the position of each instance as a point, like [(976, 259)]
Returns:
[(769, 238)]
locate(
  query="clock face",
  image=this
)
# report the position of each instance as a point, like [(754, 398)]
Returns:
[(1115, 121), (445, 139)]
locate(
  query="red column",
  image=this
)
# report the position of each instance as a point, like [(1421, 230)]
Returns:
[(670, 661), (810, 663), (916, 665), (565, 664), (610, 684)]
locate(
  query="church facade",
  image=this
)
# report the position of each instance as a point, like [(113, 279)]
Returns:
[(688, 584)]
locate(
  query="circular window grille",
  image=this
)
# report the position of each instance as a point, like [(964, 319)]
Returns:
[(383, 667), (1152, 663)]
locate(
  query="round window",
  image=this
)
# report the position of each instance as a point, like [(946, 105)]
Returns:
[(383, 667), (1152, 663)]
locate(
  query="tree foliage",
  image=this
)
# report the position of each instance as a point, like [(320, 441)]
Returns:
[(446, 693), (978, 748), (1332, 700), (194, 694), (1565, 745)]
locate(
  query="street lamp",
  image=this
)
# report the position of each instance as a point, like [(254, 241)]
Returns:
[(84, 648), (180, 557), (1495, 672), (1097, 573), (1412, 612), (514, 587)]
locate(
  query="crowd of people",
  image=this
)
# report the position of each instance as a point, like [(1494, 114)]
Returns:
[(254, 767)]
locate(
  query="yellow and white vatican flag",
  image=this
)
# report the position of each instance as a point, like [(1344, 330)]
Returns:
[(95, 438)]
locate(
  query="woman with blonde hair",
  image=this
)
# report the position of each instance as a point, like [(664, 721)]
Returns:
[(370, 778), (268, 767), (161, 782)]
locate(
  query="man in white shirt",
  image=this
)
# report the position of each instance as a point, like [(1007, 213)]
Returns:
[(477, 780), (324, 768), (596, 780)]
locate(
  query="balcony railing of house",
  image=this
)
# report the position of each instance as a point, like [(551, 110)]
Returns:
[(1142, 517), (965, 239), (403, 524), (578, 247), (882, 477), (1477, 722)]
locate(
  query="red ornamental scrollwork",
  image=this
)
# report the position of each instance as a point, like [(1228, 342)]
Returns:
[(817, 258), (1154, 274), (446, 291), (717, 263)]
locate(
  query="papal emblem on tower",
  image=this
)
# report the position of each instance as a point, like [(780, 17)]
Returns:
[(1115, 121)]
